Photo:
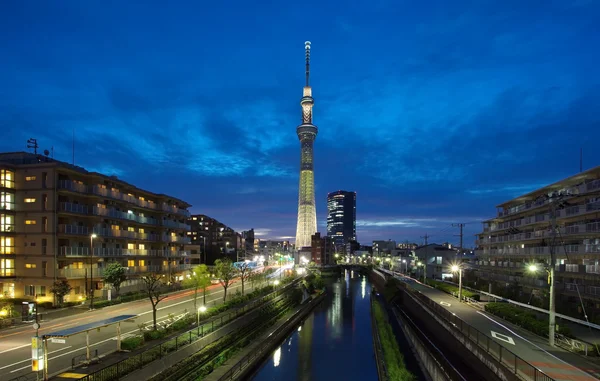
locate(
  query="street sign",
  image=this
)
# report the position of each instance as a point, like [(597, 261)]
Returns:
[(58, 341), (37, 354)]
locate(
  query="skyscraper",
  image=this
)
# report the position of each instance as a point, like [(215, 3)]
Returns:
[(341, 217), (307, 133)]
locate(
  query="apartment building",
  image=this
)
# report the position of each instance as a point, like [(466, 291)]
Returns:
[(522, 233), (322, 250), (216, 239), (59, 221)]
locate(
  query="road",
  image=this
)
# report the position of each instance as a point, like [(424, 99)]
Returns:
[(555, 362), (15, 344)]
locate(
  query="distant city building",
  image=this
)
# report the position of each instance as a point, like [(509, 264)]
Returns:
[(522, 233), (248, 242), (438, 260), (307, 133), (322, 250), (215, 238), (60, 221), (341, 218), (269, 248), (383, 247)]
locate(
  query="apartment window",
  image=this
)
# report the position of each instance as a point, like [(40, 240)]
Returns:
[(141, 230), (44, 179), (7, 267), (7, 178), (32, 244), (130, 229), (29, 200), (41, 291), (30, 290), (142, 262), (7, 245), (77, 265), (44, 246), (6, 223), (44, 269), (30, 222), (130, 263), (130, 246), (44, 202), (7, 201), (30, 265), (44, 224), (141, 246), (29, 178)]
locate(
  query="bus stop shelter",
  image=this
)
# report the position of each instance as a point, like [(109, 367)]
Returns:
[(66, 333)]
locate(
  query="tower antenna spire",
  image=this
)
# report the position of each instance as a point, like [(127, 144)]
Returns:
[(307, 49)]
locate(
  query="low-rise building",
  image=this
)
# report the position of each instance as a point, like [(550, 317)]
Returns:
[(438, 260), (322, 250), (60, 221)]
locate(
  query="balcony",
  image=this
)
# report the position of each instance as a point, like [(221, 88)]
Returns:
[(74, 229), (176, 239), (69, 207), (80, 273), (72, 186), (175, 210), (117, 195), (112, 252), (109, 212), (175, 225), (104, 232)]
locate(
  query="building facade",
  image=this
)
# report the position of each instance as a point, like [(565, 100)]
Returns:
[(562, 219), (341, 218), (438, 260), (322, 250), (216, 239), (307, 133), (59, 221)]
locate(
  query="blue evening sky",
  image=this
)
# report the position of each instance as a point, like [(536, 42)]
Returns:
[(432, 111)]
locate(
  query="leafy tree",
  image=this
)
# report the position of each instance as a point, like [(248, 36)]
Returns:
[(60, 288), (153, 284), (244, 271), (226, 272), (199, 280), (114, 274), (257, 277)]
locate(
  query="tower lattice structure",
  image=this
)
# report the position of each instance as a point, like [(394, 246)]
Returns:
[(307, 133)]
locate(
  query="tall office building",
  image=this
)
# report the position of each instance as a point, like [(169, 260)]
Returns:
[(307, 133), (59, 221), (341, 217)]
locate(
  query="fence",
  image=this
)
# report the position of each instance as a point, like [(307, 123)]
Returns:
[(268, 344), (509, 360), (137, 361)]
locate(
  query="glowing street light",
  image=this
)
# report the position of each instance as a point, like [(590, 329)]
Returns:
[(92, 270), (457, 268), (533, 268), (201, 309)]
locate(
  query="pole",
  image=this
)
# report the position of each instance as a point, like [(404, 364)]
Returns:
[(552, 309), (425, 236), (91, 272), (460, 284), (87, 345), (461, 237), (45, 359), (119, 337)]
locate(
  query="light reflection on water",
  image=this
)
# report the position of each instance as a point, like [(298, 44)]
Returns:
[(333, 343)]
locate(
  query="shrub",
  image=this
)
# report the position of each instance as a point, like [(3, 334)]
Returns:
[(450, 289), (154, 335), (524, 318), (131, 343)]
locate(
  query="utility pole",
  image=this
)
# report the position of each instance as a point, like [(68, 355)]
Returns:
[(426, 236), (552, 309), (461, 236), (32, 143)]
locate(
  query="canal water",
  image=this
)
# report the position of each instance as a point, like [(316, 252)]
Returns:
[(334, 342)]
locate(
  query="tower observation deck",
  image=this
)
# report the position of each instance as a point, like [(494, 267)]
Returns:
[(307, 133)]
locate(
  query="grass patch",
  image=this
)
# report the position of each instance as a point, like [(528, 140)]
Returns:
[(394, 361), (524, 318), (448, 288)]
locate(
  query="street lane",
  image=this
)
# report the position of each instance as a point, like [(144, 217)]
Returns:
[(15, 345), (555, 362)]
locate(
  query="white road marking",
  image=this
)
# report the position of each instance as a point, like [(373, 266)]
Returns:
[(502, 337), (8, 366), (445, 304), (15, 348)]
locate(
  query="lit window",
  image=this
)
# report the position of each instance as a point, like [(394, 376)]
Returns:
[(30, 222), (142, 262), (130, 262), (30, 265), (29, 178), (29, 200), (194, 218)]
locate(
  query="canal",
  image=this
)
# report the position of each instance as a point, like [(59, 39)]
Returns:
[(334, 342)]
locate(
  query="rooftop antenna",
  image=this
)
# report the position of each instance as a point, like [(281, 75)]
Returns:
[(32, 143)]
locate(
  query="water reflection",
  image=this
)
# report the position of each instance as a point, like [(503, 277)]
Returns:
[(334, 342)]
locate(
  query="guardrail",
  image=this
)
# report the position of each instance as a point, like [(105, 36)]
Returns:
[(508, 359), (267, 344), (130, 364)]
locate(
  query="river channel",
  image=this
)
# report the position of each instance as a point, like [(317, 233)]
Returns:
[(334, 342)]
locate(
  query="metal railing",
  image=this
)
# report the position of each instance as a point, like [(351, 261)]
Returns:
[(135, 362), (508, 359)]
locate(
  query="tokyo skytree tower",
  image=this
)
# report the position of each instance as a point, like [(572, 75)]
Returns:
[(307, 133)]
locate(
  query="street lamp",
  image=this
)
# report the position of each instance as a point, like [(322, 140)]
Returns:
[(405, 266), (533, 268), (457, 268), (92, 270), (200, 309), (422, 265)]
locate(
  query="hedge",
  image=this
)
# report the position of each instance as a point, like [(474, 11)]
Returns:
[(450, 289), (523, 318)]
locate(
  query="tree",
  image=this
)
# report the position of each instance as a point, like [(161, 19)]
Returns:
[(256, 277), (226, 273), (199, 280), (245, 271), (60, 288), (114, 274), (153, 284)]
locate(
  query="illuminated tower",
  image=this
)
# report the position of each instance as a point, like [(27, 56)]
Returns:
[(307, 133)]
